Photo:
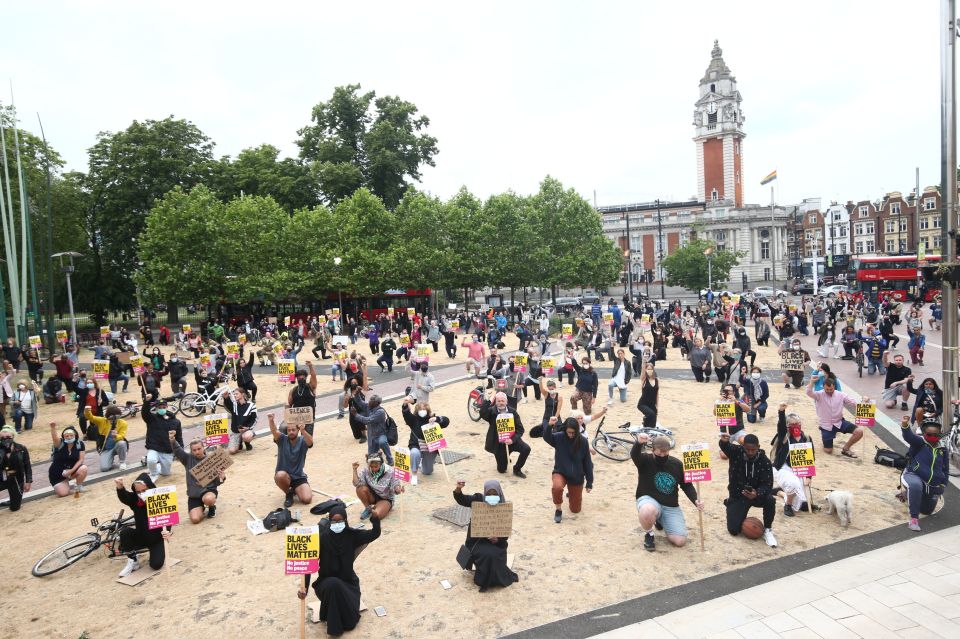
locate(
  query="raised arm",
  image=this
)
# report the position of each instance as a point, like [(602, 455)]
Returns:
[(272, 422)]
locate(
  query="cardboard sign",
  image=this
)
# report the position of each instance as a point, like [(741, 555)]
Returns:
[(186, 329), (411, 312), (242, 338), (125, 357), (302, 550), (791, 361), (35, 341), (232, 349), (405, 340), (696, 462), (491, 521), (136, 362), (520, 363), (286, 370), (433, 435), (104, 331), (101, 369), (801, 459), (726, 414), (423, 352), (161, 506), (401, 463), (298, 415), (62, 337), (547, 365), (390, 311), (215, 462), (567, 330), (608, 318), (505, 427), (866, 414), (216, 429)]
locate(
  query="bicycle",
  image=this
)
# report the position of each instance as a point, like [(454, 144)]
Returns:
[(859, 358), (195, 404), (617, 446), (475, 399), (132, 409), (68, 553), (953, 443)]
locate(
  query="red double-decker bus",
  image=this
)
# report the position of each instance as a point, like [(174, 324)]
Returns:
[(894, 275)]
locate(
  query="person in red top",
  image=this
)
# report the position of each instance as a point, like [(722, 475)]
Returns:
[(476, 355), (64, 371)]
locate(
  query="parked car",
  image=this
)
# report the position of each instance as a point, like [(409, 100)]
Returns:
[(768, 291), (832, 290)]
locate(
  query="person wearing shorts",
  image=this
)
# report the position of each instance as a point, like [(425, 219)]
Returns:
[(201, 498), (829, 404), (659, 480), (476, 355), (292, 447)]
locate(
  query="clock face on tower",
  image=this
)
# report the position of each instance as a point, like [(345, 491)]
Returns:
[(711, 108)]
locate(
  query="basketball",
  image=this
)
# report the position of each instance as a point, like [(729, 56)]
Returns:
[(752, 528)]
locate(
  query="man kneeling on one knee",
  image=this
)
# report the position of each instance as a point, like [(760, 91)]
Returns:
[(750, 485), (201, 499), (659, 479)]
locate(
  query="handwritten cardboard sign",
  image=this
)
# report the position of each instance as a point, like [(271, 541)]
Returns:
[(696, 462), (161, 507), (801, 459), (491, 521), (791, 361), (215, 461), (302, 550), (298, 415)]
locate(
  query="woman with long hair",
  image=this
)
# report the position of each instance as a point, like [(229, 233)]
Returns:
[(649, 403), (572, 465)]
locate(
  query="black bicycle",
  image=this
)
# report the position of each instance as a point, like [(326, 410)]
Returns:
[(107, 535), (617, 445)]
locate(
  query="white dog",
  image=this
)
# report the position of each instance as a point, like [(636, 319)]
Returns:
[(840, 501)]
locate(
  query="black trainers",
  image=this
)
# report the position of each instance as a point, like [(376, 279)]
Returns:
[(248, 445), (648, 542), (903, 406), (519, 473), (557, 516), (658, 525), (288, 500), (788, 510), (362, 440), (211, 512)]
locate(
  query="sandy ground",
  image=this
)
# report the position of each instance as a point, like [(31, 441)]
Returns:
[(229, 579)]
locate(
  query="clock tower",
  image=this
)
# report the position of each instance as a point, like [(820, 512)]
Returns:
[(718, 126)]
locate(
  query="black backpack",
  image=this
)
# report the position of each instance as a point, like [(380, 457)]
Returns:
[(278, 519), (887, 457), (392, 435)]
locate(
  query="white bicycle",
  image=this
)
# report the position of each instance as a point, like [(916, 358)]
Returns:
[(196, 404)]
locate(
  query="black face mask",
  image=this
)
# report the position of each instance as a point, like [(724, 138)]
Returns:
[(660, 461), (6, 443), (301, 380)]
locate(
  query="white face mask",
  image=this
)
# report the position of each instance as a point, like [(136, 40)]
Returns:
[(422, 413), (755, 377), (338, 526)]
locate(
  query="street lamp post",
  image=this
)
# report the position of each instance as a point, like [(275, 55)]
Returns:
[(663, 294), (628, 253), (67, 269), (709, 254), (336, 263)]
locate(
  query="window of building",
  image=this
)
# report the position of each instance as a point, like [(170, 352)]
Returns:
[(813, 219), (858, 229), (926, 242), (720, 236), (903, 226), (636, 243), (890, 227), (936, 241), (894, 208), (712, 120), (843, 250), (833, 232), (809, 236), (891, 246), (765, 250), (929, 204), (925, 222), (818, 233), (843, 231), (869, 246), (936, 221), (766, 274), (859, 247), (869, 228), (714, 195), (836, 216), (764, 234), (713, 88), (864, 211), (721, 247)]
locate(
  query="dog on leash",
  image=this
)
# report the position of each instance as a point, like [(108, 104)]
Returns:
[(841, 502)]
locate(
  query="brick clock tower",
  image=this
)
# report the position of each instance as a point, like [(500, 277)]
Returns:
[(718, 122)]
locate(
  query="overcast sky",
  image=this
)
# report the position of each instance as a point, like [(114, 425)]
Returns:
[(841, 97)]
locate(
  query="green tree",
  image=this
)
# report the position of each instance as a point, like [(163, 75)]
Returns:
[(129, 171), (259, 171), (362, 234), (421, 251), (351, 145), (506, 224), (688, 266), (468, 248)]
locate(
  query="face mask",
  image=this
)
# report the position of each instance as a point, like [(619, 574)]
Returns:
[(660, 461), (68, 440), (21, 388), (6, 442), (796, 348), (795, 432), (422, 413), (81, 385), (173, 359), (161, 411), (338, 526), (755, 377), (423, 369), (586, 367), (493, 500)]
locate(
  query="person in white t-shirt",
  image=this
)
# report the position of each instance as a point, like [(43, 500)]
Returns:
[(622, 372)]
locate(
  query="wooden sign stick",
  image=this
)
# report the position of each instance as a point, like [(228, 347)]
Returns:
[(444, 464), (303, 611), (700, 518)]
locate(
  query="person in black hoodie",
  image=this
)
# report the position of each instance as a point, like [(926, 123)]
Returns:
[(572, 465), (140, 536), (750, 485), (16, 472), (337, 585), (245, 376), (243, 419), (177, 370), (789, 431), (160, 421)]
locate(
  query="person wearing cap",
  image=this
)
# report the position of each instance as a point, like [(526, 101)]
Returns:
[(201, 499), (111, 437), (140, 537), (160, 421), (928, 468), (16, 472), (304, 394), (376, 485), (292, 448)]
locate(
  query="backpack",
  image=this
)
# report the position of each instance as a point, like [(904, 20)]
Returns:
[(278, 519), (887, 457), (392, 435)]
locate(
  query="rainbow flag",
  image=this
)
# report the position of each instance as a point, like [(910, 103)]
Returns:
[(770, 178)]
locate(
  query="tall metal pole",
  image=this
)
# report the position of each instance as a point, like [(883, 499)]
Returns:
[(916, 216), (773, 246), (51, 328), (629, 257), (948, 177), (73, 318), (663, 294)]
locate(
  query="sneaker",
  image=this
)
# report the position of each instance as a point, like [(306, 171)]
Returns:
[(123, 465), (786, 385), (132, 565), (769, 538), (903, 406), (519, 473), (365, 515), (914, 525), (362, 440), (340, 416), (248, 445), (788, 510), (413, 479), (288, 500), (648, 542), (211, 512), (658, 525), (609, 402), (557, 516), (81, 488)]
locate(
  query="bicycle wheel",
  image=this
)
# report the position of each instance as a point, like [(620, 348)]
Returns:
[(611, 448), (860, 364), (192, 405), (65, 554), (473, 405)]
